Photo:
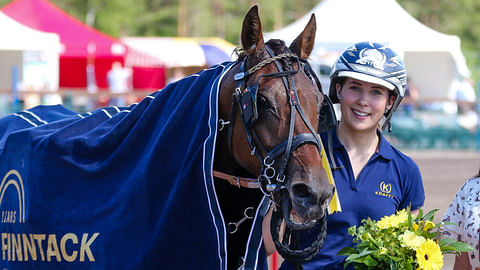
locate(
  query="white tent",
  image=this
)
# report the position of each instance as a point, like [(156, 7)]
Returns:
[(433, 60), (182, 51), (34, 53)]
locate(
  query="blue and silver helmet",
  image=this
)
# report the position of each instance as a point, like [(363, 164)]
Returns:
[(375, 63)]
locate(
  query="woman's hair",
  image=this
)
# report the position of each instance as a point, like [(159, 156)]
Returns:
[(478, 173), (341, 80)]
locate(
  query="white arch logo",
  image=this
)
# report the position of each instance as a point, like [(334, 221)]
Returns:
[(17, 183)]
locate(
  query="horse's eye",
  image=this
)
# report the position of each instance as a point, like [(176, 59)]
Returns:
[(262, 103)]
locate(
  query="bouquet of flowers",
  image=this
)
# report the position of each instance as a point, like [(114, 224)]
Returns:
[(400, 241)]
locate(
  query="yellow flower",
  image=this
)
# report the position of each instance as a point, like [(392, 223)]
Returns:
[(393, 221), (428, 225), (411, 240), (402, 216), (429, 256)]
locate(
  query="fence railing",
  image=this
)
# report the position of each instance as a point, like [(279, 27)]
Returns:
[(77, 99)]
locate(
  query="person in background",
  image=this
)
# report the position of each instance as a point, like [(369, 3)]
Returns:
[(410, 100), (373, 178), (177, 74), (464, 210), (119, 82)]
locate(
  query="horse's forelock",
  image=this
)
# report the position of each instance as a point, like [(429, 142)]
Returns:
[(278, 46)]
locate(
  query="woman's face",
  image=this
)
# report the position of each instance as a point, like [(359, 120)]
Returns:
[(362, 103)]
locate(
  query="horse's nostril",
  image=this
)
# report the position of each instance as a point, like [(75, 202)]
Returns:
[(303, 193), (306, 196), (301, 190)]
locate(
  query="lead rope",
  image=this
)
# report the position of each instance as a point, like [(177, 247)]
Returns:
[(295, 256), (296, 245)]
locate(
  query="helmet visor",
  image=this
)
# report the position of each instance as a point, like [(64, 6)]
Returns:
[(366, 78)]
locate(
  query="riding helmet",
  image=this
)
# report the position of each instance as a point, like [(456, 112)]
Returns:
[(375, 63)]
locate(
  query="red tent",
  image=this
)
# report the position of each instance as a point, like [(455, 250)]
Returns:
[(81, 44)]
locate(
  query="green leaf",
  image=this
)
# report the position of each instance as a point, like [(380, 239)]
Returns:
[(445, 223), (369, 261), (461, 247), (347, 251), (446, 241), (396, 259), (410, 222), (420, 214), (447, 244), (362, 257), (430, 215)]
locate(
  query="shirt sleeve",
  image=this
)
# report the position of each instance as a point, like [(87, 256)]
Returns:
[(414, 193)]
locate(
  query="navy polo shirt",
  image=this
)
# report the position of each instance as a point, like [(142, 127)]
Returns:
[(390, 181)]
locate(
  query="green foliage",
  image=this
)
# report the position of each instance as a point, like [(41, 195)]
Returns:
[(222, 18), (203, 18), (459, 18), (394, 241)]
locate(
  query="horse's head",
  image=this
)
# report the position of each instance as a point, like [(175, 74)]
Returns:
[(275, 113)]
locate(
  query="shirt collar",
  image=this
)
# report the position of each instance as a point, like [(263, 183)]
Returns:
[(384, 150)]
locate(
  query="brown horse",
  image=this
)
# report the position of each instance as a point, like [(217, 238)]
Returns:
[(133, 187), (272, 106)]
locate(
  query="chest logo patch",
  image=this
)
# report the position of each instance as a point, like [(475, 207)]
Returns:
[(385, 190)]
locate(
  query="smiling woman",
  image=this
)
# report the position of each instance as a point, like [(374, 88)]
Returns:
[(373, 179), (363, 105)]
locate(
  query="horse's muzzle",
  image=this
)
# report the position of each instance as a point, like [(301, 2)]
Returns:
[(304, 206)]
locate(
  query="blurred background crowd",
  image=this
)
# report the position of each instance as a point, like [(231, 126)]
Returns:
[(87, 54)]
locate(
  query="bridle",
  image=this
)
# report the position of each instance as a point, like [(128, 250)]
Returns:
[(273, 164), (269, 181)]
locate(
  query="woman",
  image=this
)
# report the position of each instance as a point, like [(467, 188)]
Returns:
[(464, 211), (373, 178)]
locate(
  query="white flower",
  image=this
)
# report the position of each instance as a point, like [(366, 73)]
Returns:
[(411, 240)]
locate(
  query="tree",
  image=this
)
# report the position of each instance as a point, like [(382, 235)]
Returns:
[(223, 18), (455, 18)]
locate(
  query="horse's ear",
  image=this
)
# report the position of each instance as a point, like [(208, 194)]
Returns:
[(303, 44), (252, 37)]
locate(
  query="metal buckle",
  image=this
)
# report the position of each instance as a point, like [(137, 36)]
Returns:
[(234, 181)]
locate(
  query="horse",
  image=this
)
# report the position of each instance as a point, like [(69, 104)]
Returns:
[(144, 186)]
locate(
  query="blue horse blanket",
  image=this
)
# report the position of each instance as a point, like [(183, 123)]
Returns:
[(117, 188)]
